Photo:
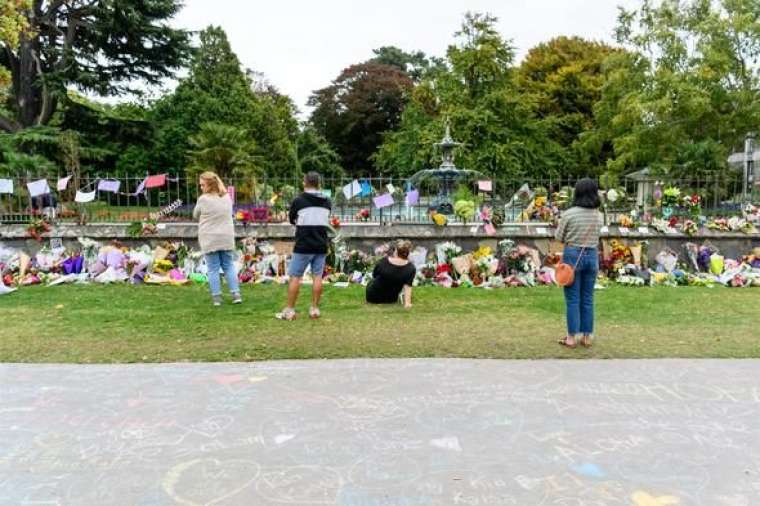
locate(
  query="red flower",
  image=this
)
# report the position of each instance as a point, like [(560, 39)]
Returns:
[(335, 222), (443, 268), (673, 221)]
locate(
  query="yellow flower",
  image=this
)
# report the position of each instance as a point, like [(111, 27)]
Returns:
[(540, 201), (439, 219)]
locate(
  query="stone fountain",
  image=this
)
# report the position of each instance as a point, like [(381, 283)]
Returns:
[(447, 174)]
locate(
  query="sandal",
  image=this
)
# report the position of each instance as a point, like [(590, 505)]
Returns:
[(564, 342), (586, 341), (286, 314)]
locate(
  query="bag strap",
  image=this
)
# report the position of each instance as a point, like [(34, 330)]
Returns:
[(583, 249)]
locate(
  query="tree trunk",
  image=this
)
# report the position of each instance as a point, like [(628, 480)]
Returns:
[(27, 88)]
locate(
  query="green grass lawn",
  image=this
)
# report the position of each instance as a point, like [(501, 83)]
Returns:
[(162, 324)]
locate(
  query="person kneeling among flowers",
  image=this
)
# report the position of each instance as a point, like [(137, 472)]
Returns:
[(391, 276)]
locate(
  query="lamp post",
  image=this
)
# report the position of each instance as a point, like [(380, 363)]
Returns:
[(749, 167)]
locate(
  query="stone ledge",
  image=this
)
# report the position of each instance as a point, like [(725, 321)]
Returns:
[(281, 231)]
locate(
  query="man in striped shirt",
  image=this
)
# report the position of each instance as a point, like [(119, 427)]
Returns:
[(310, 213)]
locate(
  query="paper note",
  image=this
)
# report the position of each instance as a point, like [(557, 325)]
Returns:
[(390, 188), (474, 230), (352, 189), (83, 197), (109, 185), (490, 229), (155, 181), (413, 197), (542, 231), (485, 186), (37, 188), (160, 226), (63, 183), (604, 230), (382, 201), (671, 230), (341, 284), (643, 230), (623, 230), (366, 189), (6, 186)]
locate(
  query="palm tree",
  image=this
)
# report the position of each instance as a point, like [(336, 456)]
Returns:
[(225, 149)]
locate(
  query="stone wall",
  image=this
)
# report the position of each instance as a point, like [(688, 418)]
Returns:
[(367, 236)]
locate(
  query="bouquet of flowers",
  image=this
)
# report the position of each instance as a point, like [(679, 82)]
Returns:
[(693, 203), (737, 224), (142, 228), (38, 227), (497, 218), (720, 224), (663, 226), (447, 251), (689, 228), (626, 221), (438, 219), (464, 209), (671, 197), (355, 260), (245, 217), (363, 214)]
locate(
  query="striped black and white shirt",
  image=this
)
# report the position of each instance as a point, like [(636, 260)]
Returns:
[(580, 227), (310, 213)]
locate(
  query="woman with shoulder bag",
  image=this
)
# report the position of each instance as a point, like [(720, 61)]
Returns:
[(579, 230)]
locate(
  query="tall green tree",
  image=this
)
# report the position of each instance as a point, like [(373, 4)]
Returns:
[(353, 112), (691, 91), (415, 64), (500, 131), (96, 46), (563, 79), (13, 23), (315, 154), (218, 90)]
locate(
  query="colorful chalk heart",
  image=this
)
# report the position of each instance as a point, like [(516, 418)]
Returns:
[(644, 499), (205, 482)]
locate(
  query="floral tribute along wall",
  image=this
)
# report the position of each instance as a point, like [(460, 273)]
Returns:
[(672, 244), (446, 264)]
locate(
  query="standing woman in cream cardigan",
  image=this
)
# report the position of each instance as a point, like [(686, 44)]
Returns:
[(216, 235)]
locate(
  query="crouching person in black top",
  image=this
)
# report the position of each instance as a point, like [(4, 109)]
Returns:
[(392, 275)]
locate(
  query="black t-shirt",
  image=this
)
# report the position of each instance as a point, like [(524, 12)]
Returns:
[(388, 281)]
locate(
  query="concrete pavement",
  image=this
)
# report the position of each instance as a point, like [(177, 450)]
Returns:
[(382, 432)]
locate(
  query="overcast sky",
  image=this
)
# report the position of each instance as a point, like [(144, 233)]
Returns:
[(302, 45)]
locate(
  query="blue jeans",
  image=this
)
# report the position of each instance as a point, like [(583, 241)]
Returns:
[(579, 297), (223, 260)]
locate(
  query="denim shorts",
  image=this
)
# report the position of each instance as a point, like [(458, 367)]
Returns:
[(299, 262)]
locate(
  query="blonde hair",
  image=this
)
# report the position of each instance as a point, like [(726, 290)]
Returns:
[(214, 182), (403, 247)]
